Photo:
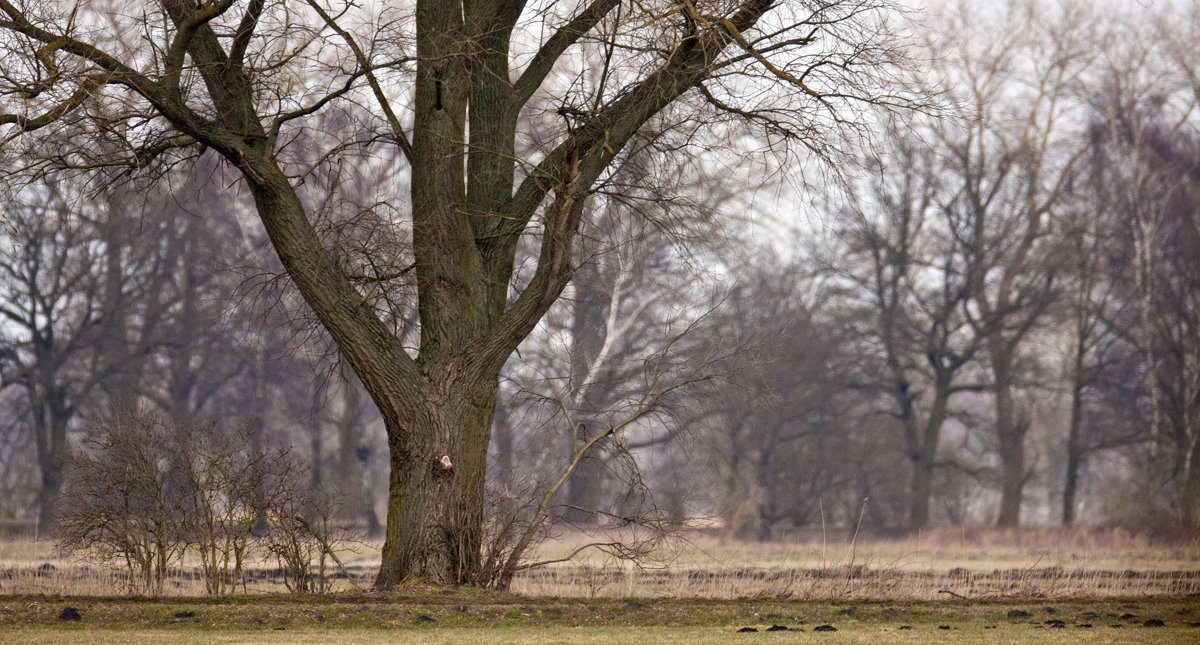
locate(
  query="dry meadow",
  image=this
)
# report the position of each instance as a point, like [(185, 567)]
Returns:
[(944, 565)]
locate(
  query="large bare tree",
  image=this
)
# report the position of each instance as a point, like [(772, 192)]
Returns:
[(449, 82), (50, 301), (910, 279), (1012, 149)]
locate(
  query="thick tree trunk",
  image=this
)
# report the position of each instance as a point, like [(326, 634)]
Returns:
[(435, 505), (438, 407)]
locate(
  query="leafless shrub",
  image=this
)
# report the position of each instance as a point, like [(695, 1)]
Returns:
[(304, 533), (122, 500), (509, 512), (145, 491), (605, 435), (228, 486)]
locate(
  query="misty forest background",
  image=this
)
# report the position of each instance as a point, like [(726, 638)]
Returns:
[(982, 312)]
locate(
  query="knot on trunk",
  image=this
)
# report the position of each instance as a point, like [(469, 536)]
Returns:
[(444, 463)]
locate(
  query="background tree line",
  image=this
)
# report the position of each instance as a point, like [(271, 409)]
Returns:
[(990, 317), (999, 316)]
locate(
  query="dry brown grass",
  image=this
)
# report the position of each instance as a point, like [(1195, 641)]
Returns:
[(963, 562), (982, 564), (35, 567)]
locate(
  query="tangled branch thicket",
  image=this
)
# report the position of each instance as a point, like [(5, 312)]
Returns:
[(143, 492)]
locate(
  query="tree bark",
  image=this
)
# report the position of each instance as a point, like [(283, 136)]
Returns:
[(435, 505)]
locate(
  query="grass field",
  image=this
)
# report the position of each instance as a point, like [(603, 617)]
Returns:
[(1030, 587), (451, 616), (574, 636)]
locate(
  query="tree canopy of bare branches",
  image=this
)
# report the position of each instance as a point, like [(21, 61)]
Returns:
[(445, 84)]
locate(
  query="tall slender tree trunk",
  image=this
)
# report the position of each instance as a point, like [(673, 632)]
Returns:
[(182, 351), (349, 430), (923, 442), (51, 429), (1074, 447), (122, 386), (504, 446), (586, 482), (1010, 434), (316, 432)]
